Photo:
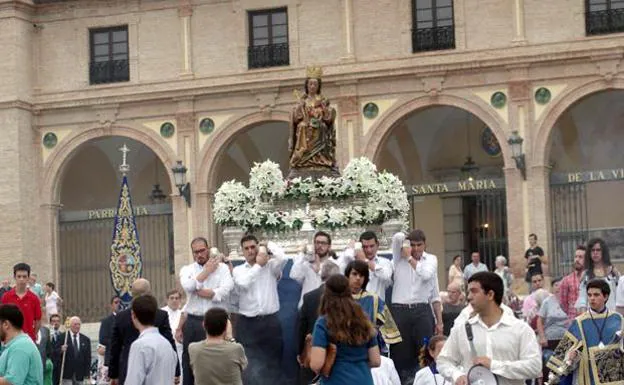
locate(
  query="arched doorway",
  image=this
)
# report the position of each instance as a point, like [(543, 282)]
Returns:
[(452, 165), (256, 143), (587, 176), (89, 191)]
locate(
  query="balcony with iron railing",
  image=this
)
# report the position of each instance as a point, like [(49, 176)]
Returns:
[(271, 55), (111, 71), (433, 39), (604, 22)]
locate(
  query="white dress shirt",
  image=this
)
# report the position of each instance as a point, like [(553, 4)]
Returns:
[(411, 286), (151, 361), (174, 316), (386, 373), (257, 285), (510, 344), (467, 312), (220, 281), (426, 377), (303, 272)]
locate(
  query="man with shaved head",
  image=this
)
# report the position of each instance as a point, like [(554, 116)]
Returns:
[(124, 334), (77, 349)]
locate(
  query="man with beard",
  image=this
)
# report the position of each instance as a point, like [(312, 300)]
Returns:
[(307, 267), (207, 283), (569, 288), (20, 362)]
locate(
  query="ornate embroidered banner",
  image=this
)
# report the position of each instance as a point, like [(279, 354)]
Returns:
[(126, 264)]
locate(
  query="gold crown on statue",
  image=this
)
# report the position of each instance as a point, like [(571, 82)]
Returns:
[(314, 72)]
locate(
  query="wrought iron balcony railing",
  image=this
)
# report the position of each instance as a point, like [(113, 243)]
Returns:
[(109, 71), (271, 55), (432, 39), (604, 22)]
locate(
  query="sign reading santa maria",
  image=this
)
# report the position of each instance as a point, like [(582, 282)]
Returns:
[(125, 252)]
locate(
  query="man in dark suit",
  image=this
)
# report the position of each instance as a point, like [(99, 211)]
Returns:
[(44, 344), (307, 318), (77, 367), (55, 337), (106, 329), (124, 334)]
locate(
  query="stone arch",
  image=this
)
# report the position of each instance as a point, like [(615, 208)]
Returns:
[(541, 144), (212, 151), (62, 155), (383, 127)]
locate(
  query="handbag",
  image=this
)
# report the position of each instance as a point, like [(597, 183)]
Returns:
[(330, 356)]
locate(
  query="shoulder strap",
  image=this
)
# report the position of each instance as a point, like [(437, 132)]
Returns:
[(470, 336)]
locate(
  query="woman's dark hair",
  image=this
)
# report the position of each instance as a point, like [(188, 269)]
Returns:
[(361, 268), (490, 282), (346, 321), (305, 85), (455, 257), (424, 357), (51, 285), (589, 262)]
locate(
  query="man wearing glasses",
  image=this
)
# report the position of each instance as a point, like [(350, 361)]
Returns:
[(307, 265), (207, 283)]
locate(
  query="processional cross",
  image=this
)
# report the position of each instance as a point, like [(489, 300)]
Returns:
[(124, 167)]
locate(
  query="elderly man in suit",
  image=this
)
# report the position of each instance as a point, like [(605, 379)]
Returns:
[(124, 334), (77, 349), (308, 313)]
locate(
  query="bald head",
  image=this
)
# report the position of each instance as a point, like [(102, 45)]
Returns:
[(140, 287), (453, 286)]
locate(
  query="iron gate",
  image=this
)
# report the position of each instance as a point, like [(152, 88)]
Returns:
[(569, 224), (85, 283), (488, 220)]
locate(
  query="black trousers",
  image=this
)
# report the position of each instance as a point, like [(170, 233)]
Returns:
[(193, 331), (261, 337), (415, 322)]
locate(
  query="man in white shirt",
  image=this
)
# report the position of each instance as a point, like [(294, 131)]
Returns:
[(474, 267), (258, 327), (174, 298), (502, 343), (207, 283), (380, 277), (306, 267), (151, 360), (414, 294)]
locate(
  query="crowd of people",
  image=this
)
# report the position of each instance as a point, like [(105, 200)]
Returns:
[(349, 329)]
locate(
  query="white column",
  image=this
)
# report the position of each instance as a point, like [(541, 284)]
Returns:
[(519, 32), (348, 31)]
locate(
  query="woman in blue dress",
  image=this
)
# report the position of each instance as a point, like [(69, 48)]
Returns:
[(343, 322)]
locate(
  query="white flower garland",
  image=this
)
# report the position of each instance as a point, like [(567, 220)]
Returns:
[(367, 197)]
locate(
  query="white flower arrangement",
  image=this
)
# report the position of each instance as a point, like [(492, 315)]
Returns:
[(384, 198), (266, 180)]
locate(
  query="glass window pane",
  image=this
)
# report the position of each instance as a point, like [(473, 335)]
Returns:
[(280, 40), (424, 25), (279, 31), (100, 38), (617, 4), (259, 42), (444, 3), (120, 57), (260, 20), (260, 33), (278, 18), (100, 50), (119, 36), (444, 13), (424, 14), (100, 59), (445, 23), (120, 48), (420, 4)]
